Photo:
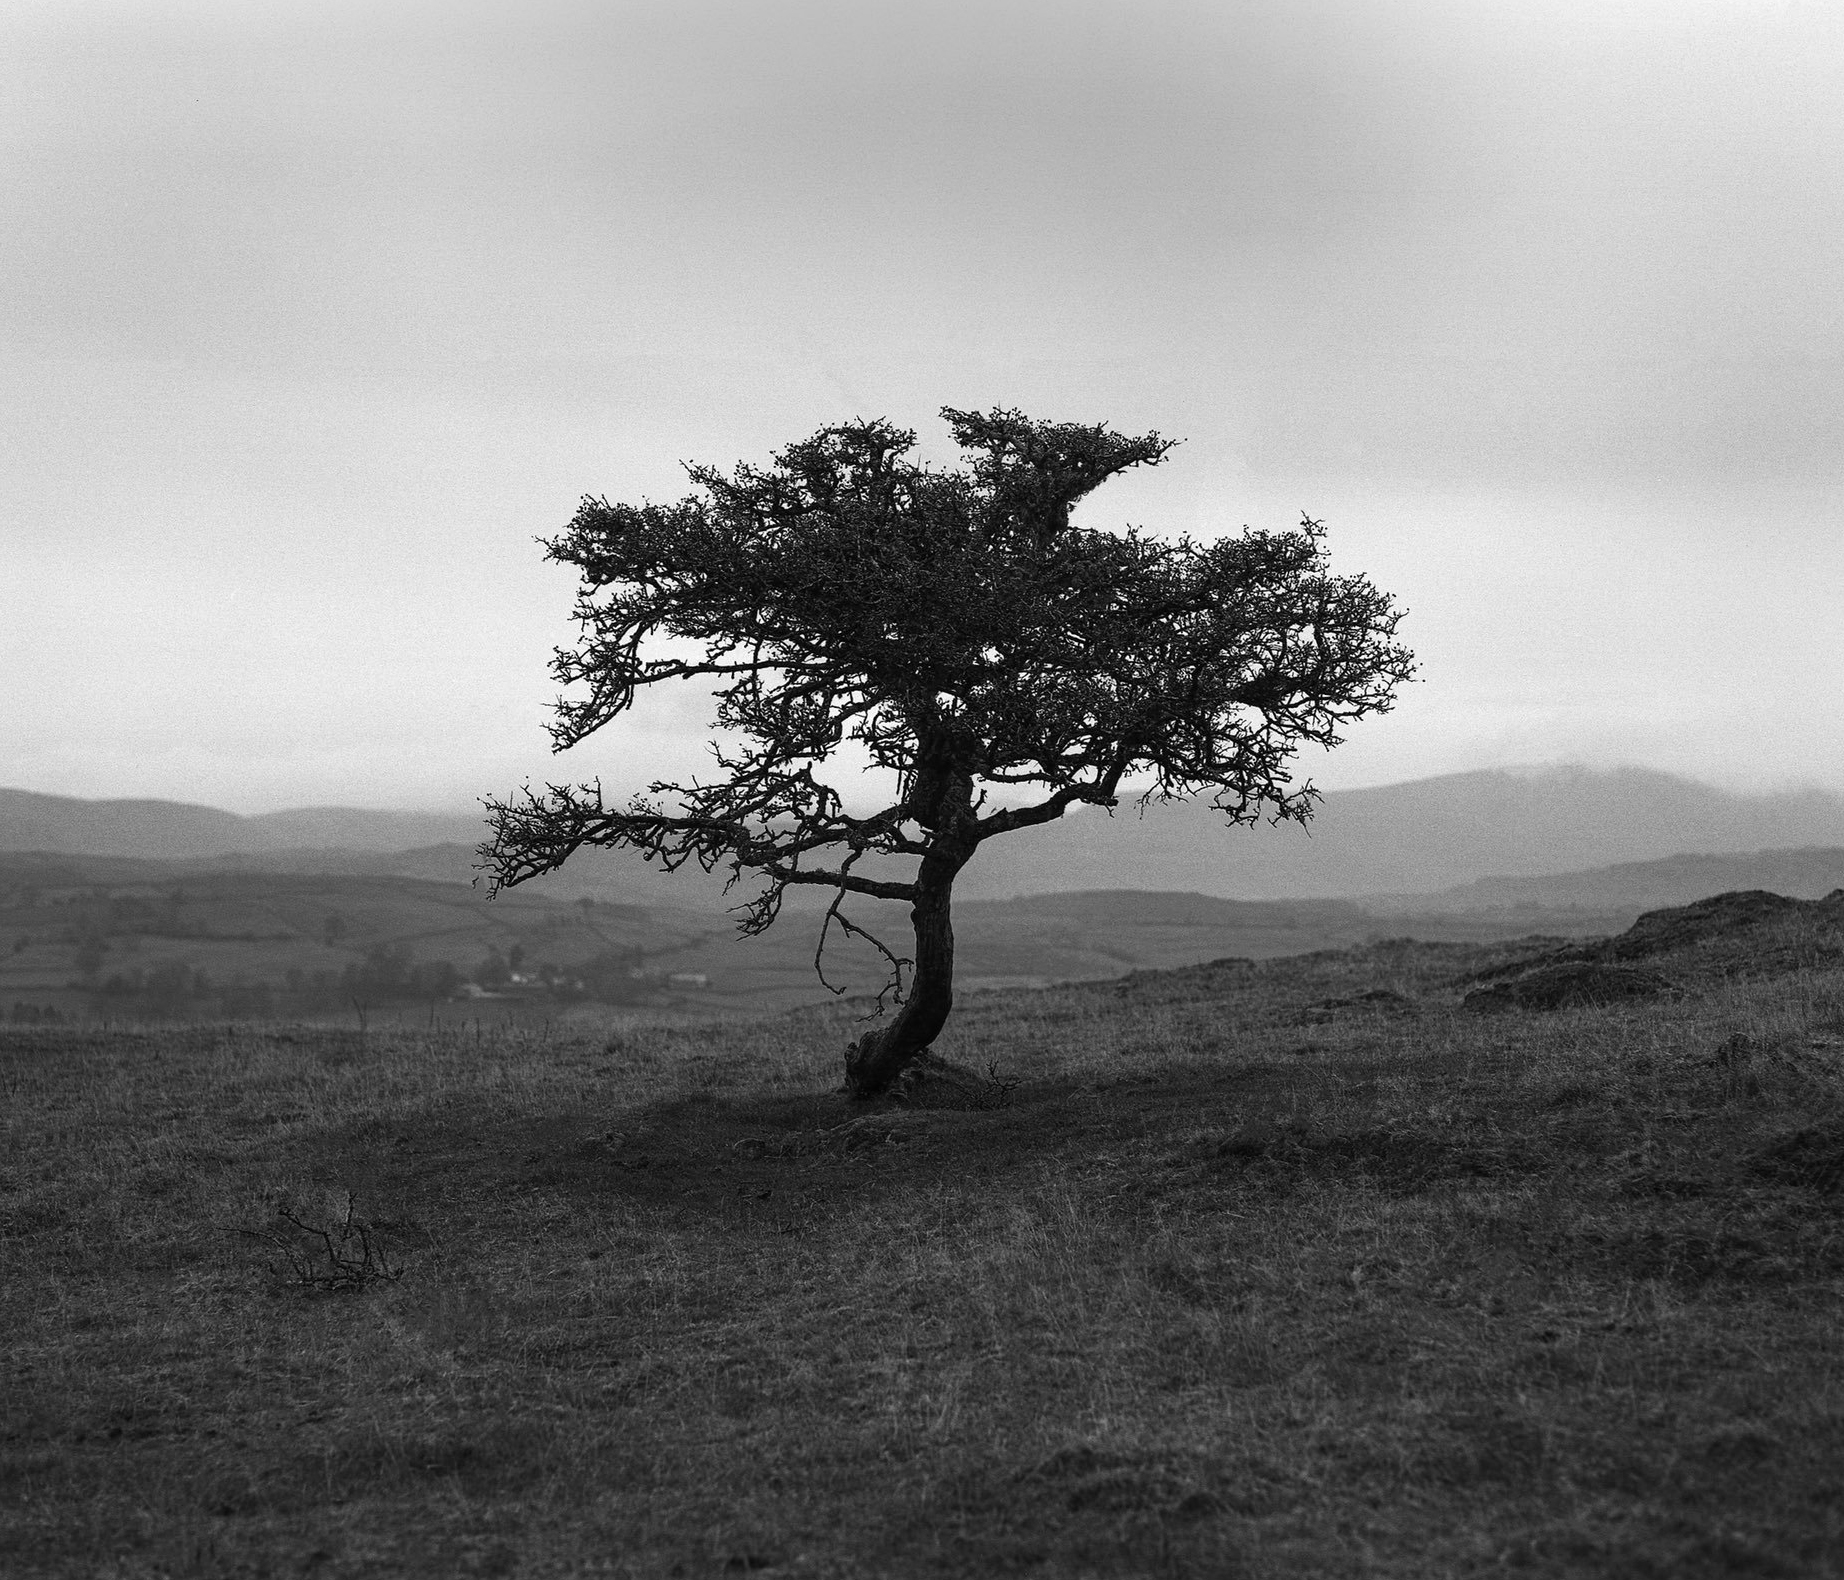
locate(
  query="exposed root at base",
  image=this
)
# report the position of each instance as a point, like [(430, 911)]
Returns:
[(930, 1081)]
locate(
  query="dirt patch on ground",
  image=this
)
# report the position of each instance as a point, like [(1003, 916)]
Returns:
[(1566, 985), (1813, 1157), (1377, 1001), (1399, 1162)]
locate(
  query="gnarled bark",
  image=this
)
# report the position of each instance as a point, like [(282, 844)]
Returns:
[(878, 1057)]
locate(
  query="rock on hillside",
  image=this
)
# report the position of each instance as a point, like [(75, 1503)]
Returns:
[(1736, 919), (1746, 933)]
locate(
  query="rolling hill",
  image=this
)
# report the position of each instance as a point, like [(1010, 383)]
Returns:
[(115, 937), (172, 830)]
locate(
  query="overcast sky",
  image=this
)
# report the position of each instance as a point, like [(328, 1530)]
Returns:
[(315, 316)]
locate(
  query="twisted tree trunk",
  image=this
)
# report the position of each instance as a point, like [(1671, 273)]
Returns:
[(878, 1057)]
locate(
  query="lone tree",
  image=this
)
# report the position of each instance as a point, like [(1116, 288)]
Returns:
[(1003, 661)]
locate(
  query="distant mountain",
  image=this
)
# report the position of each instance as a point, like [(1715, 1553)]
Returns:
[(327, 842), (175, 830), (1406, 839), (1415, 839), (1807, 874)]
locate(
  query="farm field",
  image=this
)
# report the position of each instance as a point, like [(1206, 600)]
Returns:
[(1296, 1267)]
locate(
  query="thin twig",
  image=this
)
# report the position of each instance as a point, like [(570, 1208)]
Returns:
[(833, 913)]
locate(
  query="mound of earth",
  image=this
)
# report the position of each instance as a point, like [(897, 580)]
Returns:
[(1724, 916), (1564, 984), (1746, 933)]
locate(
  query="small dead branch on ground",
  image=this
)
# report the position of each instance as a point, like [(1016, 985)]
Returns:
[(326, 1258)]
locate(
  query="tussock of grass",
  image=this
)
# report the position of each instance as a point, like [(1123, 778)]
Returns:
[(1288, 1267)]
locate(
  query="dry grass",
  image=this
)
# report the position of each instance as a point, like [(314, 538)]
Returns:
[(1250, 1274)]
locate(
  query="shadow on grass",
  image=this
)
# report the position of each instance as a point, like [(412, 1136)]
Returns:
[(1187, 1126)]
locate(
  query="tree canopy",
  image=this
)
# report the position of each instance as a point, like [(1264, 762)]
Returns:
[(1003, 661)]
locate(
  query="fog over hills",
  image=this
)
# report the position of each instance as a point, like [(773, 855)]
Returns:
[(1417, 840)]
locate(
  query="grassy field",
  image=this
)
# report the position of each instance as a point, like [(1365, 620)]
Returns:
[(1284, 1268)]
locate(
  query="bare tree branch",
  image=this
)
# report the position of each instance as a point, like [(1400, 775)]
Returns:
[(892, 988)]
